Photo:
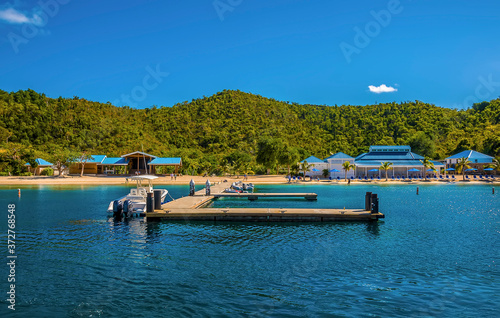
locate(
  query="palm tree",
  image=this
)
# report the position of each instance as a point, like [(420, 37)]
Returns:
[(462, 164), (325, 172), (428, 164), (306, 167), (495, 164), (386, 166), (347, 165)]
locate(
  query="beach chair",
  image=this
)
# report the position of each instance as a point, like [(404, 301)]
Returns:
[(338, 178), (392, 178), (359, 178), (453, 177), (352, 178), (371, 178), (366, 178), (467, 177), (448, 177), (475, 177), (481, 177), (378, 177)]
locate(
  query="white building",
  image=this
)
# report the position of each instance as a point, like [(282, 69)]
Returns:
[(317, 168), (335, 165)]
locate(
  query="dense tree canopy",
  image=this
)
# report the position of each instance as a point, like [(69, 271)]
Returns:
[(231, 127)]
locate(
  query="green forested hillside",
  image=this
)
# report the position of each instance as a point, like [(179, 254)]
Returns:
[(231, 126)]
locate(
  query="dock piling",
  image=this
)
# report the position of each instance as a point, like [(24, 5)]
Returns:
[(157, 199), (374, 200), (149, 203), (368, 201)]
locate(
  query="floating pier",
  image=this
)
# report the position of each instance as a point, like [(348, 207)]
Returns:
[(192, 208), (255, 196)]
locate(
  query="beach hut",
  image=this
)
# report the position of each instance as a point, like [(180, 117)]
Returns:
[(111, 165), (138, 162), (175, 162), (42, 165), (92, 166)]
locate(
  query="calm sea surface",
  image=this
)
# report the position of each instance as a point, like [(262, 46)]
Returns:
[(435, 254)]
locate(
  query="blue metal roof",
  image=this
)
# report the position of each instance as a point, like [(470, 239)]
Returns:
[(166, 161), (389, 156), (396, 163), (312, 159), (96, 159), (390, 148), (41, 162), (339, 155), (115, 161), (470, 154)]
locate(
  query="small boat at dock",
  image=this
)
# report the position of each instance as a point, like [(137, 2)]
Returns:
[(240, 186), (134, 203)]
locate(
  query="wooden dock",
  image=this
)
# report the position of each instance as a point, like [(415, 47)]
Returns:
[(255, 196), (192, 208)]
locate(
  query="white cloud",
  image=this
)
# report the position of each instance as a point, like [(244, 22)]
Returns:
[(11, 15), (382, 89)]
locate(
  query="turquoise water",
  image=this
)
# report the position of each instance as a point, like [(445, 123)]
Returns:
[(435, 254)]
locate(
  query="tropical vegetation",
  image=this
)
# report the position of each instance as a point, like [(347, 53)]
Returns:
[(234, 131)]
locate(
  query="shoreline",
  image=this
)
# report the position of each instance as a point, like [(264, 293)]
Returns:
[(184, 180)]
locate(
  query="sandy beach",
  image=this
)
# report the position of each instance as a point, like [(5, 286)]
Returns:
[(258, 179)]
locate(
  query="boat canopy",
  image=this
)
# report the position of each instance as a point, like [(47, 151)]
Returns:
[(145, 177)]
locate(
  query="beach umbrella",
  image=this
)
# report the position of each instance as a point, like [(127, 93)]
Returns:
[(373, 170), (450, 169), (471, 169), (315, 170), (335, 170), (413, 170), (489, 169), (428, 170)]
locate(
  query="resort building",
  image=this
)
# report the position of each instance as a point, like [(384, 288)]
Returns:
[(335, 165), (404, 162), (477, 160), (93, 165), (42, 165), (132, 163), (317, 168)]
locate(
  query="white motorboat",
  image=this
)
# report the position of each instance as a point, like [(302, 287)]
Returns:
[(134, 203), (240, 186)]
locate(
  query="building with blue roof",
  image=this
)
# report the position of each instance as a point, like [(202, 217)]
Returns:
[(477, 160), (402, 158), (317, 164), (335, 162), (132, 163), (41, 165)]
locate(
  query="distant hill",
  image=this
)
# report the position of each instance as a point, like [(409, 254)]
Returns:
[(207, 130)]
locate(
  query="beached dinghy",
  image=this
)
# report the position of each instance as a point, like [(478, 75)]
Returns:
[(134, 203)]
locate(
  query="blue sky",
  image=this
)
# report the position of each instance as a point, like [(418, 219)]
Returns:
[(145, 53)]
